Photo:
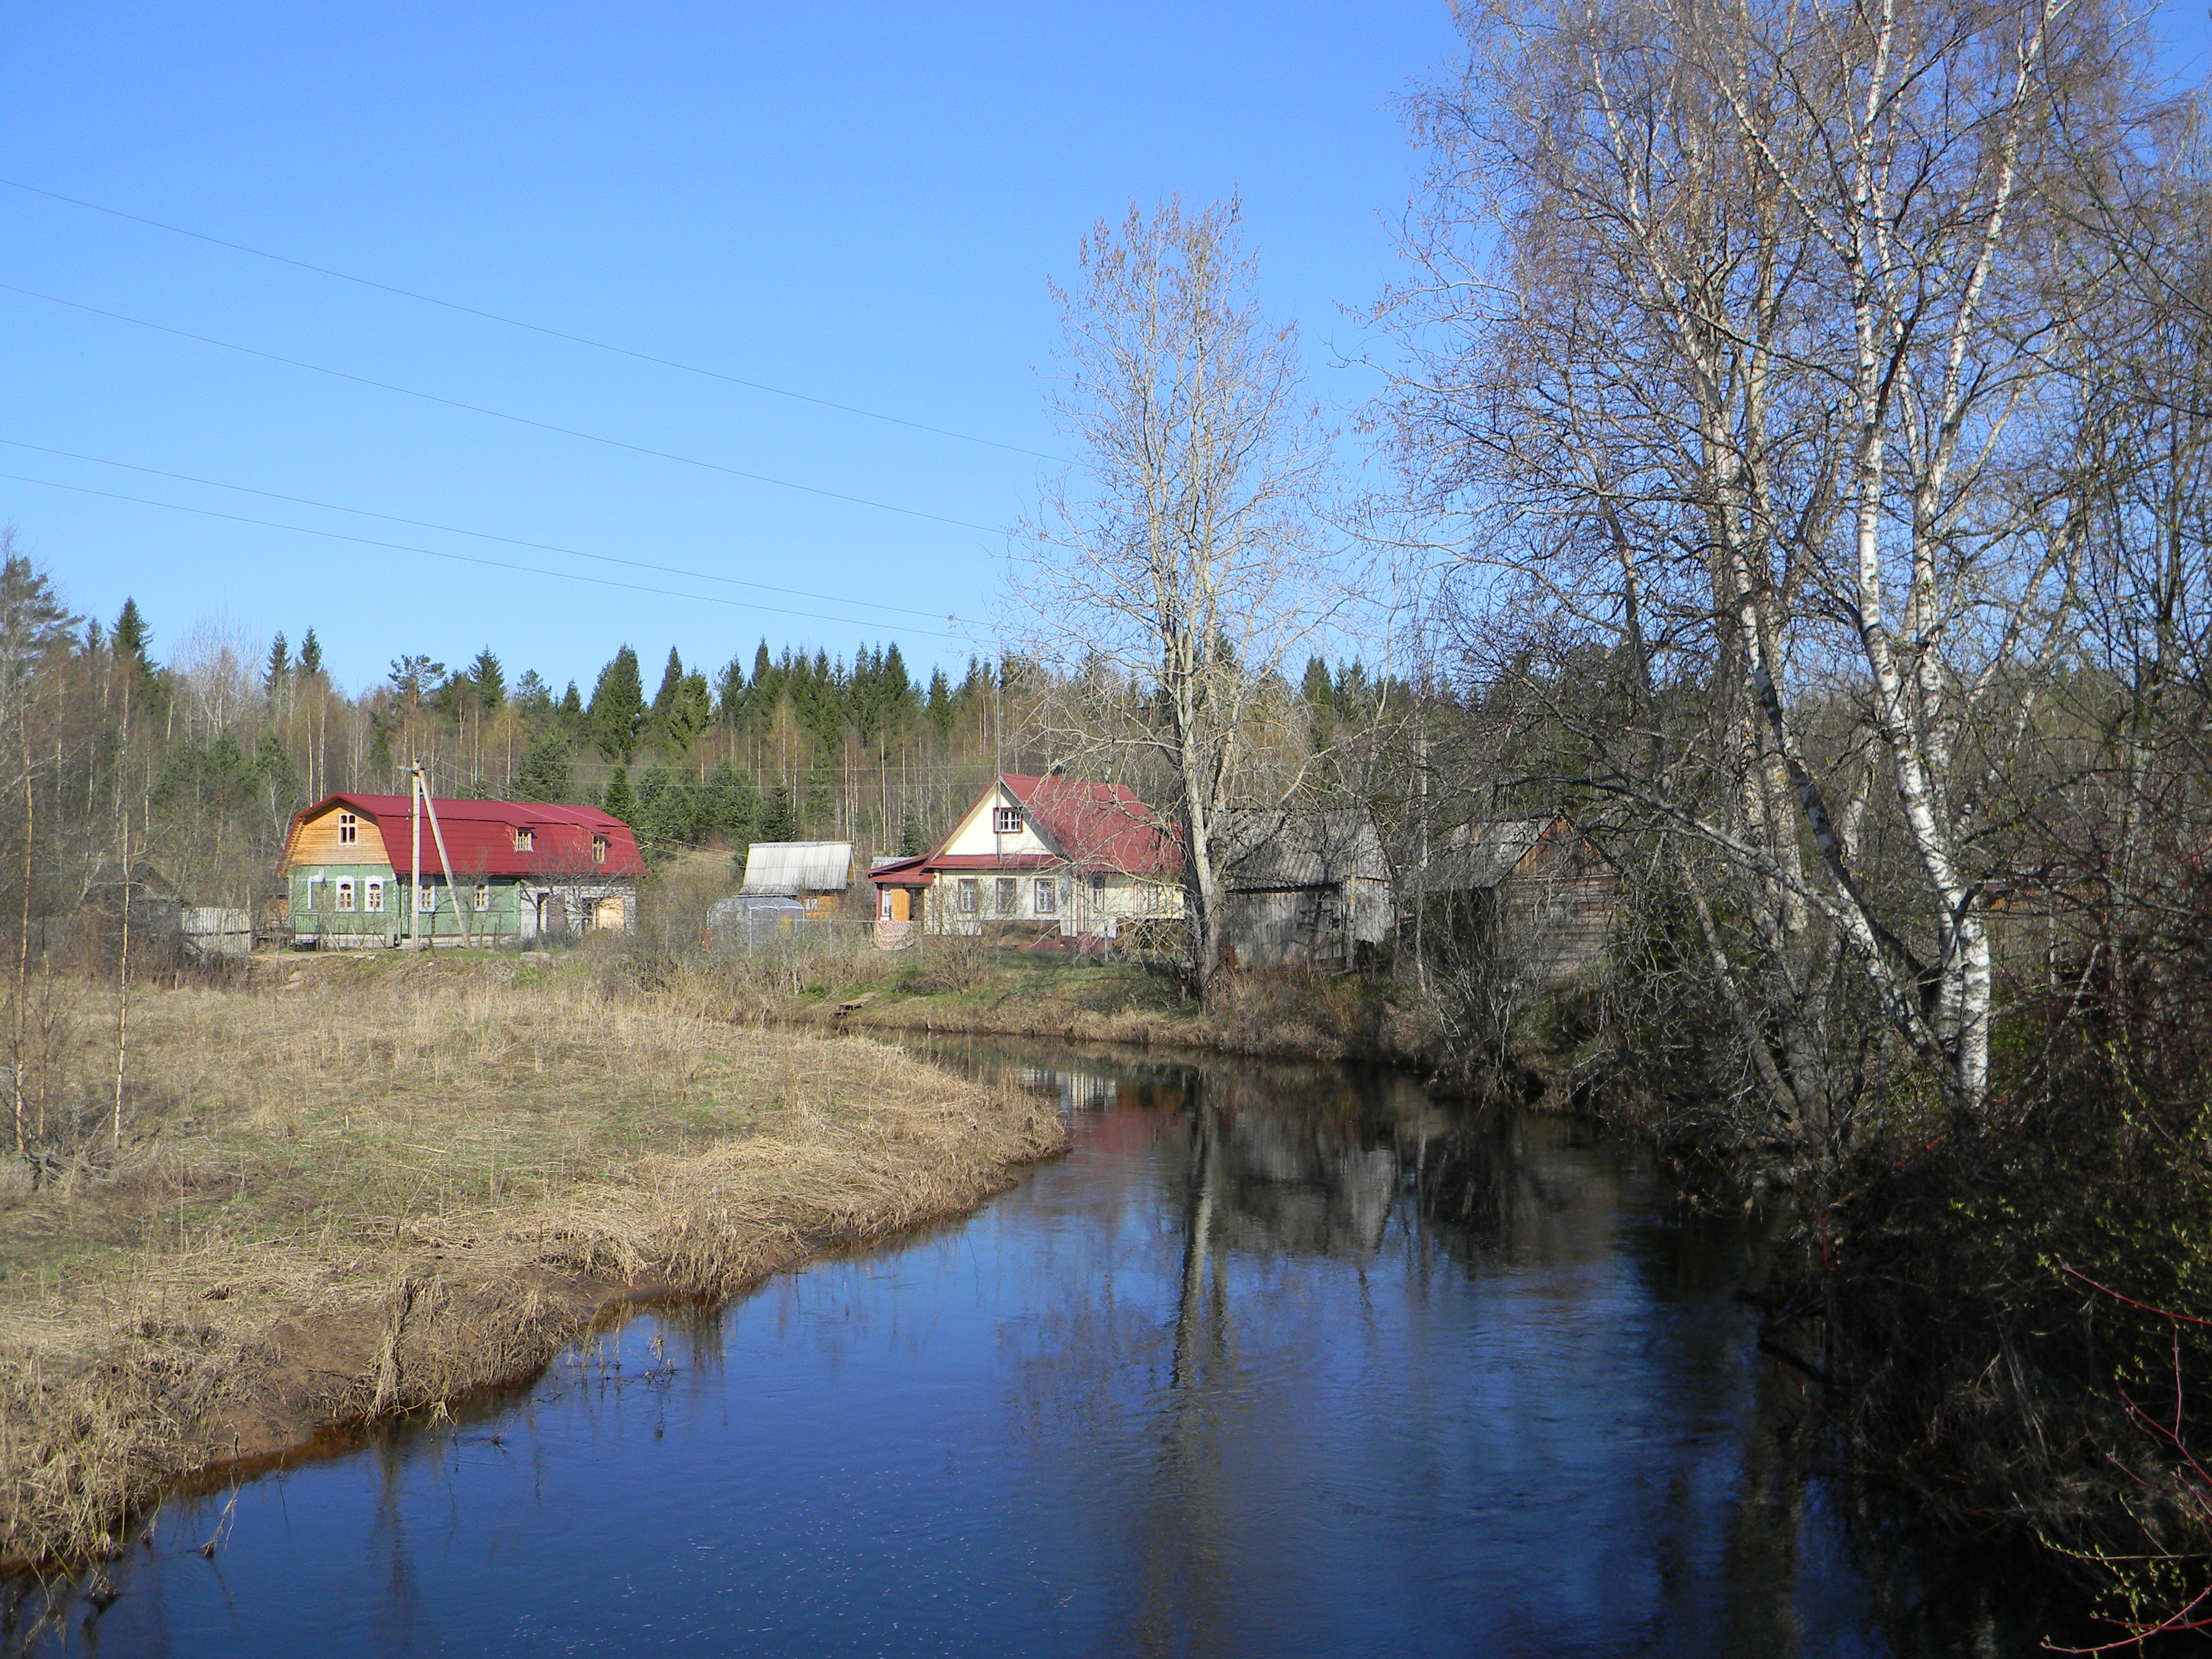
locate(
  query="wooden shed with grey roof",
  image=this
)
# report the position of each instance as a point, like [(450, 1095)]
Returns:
[(1308, 887), (816, 873), (1533, 889)]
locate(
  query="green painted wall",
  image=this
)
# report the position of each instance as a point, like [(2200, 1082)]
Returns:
[(502, 919)]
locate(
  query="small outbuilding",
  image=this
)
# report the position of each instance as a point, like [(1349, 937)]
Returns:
[(816, 873), (1534, 892), (1305, 886)]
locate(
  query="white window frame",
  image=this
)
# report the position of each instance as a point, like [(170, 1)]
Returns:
[(971, 896), (348, 829), (525, 839), (426, 899), (1044, 896), (1007, 821), (1005, 888), (883, 904), (315, 895), (484, 896), (600, 849), (348, 894), (372, 897)]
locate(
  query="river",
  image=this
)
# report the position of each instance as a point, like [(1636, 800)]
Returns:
[(1277, 1361)]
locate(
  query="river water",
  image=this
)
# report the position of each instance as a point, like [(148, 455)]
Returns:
[(1277, 1361)]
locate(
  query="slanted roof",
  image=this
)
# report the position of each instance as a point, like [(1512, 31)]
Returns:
[(788, 868), (1283, 849), (901, 872), (1478, 855), (1103, 827), (480, 837)]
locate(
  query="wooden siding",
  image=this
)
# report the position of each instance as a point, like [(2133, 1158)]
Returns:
[(316, 841)]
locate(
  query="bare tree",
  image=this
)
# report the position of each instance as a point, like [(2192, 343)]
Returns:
[(1170, 578), (1753, 407)]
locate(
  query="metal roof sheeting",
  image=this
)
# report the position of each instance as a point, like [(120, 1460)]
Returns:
[(480, 835), (785, 869)]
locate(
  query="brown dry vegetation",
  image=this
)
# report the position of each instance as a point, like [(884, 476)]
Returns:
[(354, 1187), (956, 986)]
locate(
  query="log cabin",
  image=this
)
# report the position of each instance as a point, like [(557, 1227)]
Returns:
[(523, 871), (1044, 857)]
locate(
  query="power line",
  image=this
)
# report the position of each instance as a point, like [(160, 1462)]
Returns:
[(498, 414), (533, 328), (459, 558), (456, 530)]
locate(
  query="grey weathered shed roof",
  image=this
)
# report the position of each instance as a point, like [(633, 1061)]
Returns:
[(1283, 849), (785, 869), (1478, 855)]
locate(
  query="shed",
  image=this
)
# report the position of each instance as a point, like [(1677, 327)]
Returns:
[(1309, 886), (1532, 890), (817, 873)]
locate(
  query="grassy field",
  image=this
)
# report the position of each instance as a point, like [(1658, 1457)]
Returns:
[(353, 1185)]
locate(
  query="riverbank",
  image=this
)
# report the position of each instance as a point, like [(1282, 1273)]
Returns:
[(1064, 998), (354, 1188)]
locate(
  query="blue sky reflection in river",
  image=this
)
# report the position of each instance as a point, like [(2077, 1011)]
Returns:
[(1276, 1362)]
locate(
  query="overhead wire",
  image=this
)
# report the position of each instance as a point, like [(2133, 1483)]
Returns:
[(481, 535), (517, 322), (499, 414), (460, 558)]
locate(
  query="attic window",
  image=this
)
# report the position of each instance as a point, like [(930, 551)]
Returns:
[(1007, 821), (523, 839), (348, 829), (598, 850)]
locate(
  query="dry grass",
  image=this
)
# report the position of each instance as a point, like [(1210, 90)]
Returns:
[(351, 1187)]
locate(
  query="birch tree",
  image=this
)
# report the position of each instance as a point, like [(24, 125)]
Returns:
[(1171, 576), (1736, 356)]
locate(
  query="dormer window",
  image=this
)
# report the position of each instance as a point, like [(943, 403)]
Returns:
[(525, 839), (348, 829), (1007, 821), (598, 850)]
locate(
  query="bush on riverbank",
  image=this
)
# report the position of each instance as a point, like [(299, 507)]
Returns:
[(2015, 1307), (351, 1186)]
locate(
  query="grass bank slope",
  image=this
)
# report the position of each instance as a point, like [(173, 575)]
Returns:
[(1278, 1014), (352, 1187)]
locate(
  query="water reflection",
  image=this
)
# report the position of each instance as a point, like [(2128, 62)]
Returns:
[(1278, 1360)]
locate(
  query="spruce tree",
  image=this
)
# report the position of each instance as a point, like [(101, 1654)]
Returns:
[(311, 655), (617, 715), (542, 772), (132, 636), (489, 680), (778, 821), (619, 801)]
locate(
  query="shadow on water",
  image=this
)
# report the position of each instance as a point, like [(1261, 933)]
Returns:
[(1278, 1360)]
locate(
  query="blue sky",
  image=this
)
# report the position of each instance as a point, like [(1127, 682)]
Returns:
[(862, 204)]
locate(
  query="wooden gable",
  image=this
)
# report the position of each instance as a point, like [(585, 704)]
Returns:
[(321, 839)]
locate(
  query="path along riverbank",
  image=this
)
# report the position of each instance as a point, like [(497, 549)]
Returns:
[(354, 1188)]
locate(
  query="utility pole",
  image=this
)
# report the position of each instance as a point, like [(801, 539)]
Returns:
[(415, 869)]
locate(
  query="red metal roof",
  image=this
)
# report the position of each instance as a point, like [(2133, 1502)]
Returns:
[(995, 861), (1099, 826), (901, 872), (480, 837)]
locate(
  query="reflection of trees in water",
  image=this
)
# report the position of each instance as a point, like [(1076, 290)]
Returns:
[(1267, 1167)]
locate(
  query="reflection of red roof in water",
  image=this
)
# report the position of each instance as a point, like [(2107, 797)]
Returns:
[(1096, 826)]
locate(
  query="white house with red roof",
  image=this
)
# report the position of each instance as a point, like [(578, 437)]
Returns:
[(1053, 854), (519, 870)]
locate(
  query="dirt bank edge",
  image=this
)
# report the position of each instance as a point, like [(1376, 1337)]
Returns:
[(233, 1363)]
